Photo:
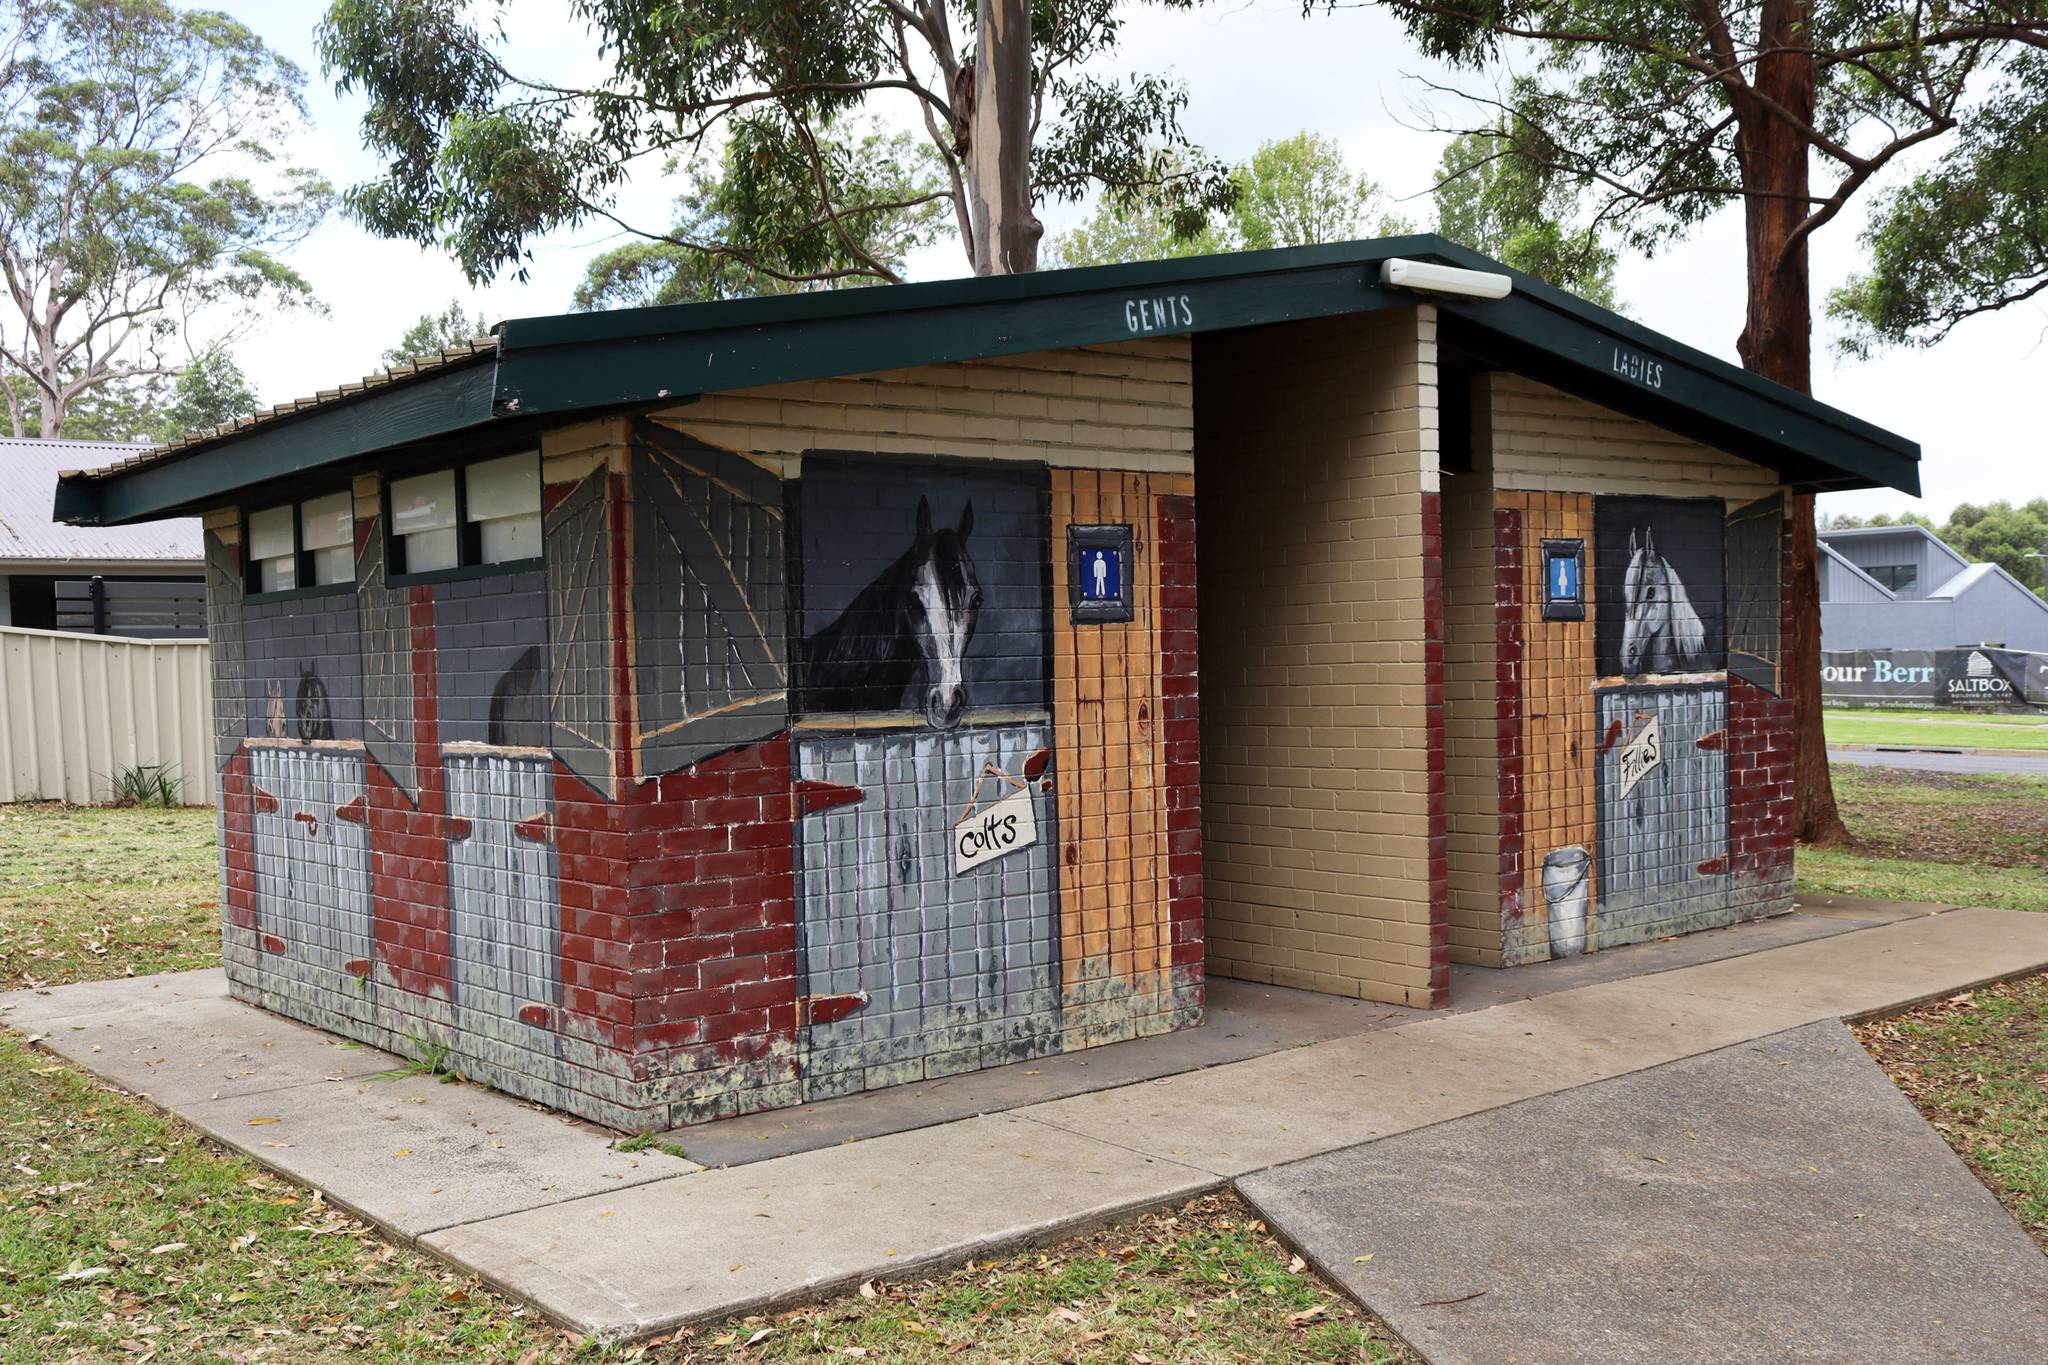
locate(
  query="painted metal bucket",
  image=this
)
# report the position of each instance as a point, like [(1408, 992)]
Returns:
[(1565, 892)]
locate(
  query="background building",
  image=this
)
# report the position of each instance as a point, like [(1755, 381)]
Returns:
[(152, 575), (1901, 587)]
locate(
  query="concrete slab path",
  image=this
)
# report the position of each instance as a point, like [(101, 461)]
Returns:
[(621, 1247), (1775, 1200)]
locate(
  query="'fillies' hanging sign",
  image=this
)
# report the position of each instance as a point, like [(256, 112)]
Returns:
[(1641, 756), (1002, 827)]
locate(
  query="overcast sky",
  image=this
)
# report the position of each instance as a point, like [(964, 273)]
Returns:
[(1256, 71)]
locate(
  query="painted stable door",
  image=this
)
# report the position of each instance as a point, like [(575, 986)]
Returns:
[(927, 904), (505, 931), (1663, 793), (312, 871)]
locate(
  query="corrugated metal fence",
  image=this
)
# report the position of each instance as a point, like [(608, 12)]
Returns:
[(77, 709)]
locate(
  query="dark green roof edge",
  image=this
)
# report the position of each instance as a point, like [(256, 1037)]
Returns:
[(589, 362)]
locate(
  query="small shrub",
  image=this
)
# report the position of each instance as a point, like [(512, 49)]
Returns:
[(148, 784)]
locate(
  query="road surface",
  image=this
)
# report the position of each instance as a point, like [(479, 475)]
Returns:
[(2024, 765)]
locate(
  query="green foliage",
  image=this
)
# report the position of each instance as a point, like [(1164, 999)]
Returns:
[(1295, 191), (140, 186), (648, 1142), (429, 1058), (738, 232), (1299, 191), (450, 329), (480, 159), (2012, 537), (148, 784), (1843, 521), (1966, 236), (209, 392), (1667, 110), (1494, 196)]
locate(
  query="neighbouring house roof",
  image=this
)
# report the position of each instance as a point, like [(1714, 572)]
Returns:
[(1910, 530), (1843, 564), (29, 535), (1968, 578), (539, 371)]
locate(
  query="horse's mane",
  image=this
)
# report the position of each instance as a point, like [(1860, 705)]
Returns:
[(1687, 630)]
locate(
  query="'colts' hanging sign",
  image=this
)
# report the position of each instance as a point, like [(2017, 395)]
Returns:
[(1002, 827)]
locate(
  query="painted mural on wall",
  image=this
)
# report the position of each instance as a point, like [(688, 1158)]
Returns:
[(746, 796), (925, 605), (709, 604), (1659, 605), (924, 588), (1656, 821), (1755, 591)]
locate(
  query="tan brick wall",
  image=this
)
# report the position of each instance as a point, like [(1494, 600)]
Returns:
[(1546, 440), (1125, 405), (1315, 442), (1472, 755)]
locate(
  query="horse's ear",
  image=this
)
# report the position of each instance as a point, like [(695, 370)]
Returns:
[(924, 518), (1632, 550), (1650, 541), (967, 520)]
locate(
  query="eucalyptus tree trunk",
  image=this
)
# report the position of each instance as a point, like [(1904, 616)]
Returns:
[(1006, 232), (1777, 343)]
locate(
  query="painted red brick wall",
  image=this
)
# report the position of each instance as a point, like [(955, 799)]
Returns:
[(1508, 680), (647, 897)]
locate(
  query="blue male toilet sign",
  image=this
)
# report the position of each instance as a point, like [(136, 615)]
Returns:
[(1564, 574), (1102, 574), (1099, 567)]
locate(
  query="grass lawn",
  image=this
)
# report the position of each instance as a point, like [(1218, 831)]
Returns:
[(1938, 729), (1977, 1066), (87, 894), (1947, 837), (125, 1236)]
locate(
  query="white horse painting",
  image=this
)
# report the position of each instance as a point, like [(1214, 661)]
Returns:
[(1660, 633)]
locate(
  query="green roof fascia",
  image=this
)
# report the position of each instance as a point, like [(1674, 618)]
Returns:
[(436, 404), (580, 361), (1703, 382), (676, 351)]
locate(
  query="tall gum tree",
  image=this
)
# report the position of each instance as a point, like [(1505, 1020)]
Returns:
[(1671, 109), (480, 158), (140, 187)]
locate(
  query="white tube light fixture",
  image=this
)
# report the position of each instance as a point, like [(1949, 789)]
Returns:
[(1430, 278)]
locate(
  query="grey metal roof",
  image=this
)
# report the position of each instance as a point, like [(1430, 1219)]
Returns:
[(28, 533)]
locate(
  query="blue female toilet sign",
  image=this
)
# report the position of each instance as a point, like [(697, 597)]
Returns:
[(1099, 568), (1564, 574)]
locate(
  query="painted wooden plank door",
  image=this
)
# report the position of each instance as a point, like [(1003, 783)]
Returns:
[(312, 872), (1663, 856), (503, 906), (911, 971), (710, 612)]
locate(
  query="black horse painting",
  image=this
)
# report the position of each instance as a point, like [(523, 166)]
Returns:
[(901, 643)]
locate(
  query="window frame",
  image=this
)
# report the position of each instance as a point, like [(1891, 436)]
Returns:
[(469, 535), (302, 558)]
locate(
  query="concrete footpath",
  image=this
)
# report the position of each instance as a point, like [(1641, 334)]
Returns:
[(621, 1246)]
